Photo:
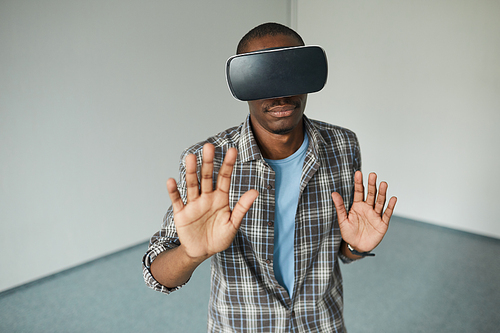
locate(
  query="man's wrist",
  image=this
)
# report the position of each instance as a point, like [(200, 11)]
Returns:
[(359, 253), (196, 260)]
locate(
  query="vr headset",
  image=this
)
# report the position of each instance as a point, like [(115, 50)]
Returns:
[(277, 72)]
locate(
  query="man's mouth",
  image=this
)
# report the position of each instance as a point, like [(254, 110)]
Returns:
[(281, 110)]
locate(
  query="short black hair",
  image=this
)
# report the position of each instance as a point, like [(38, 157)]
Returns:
[(267, 29)]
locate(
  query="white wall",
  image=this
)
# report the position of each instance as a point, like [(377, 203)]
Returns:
[(419, 81), (97, 101)]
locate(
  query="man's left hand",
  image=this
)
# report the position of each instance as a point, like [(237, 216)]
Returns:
[(367, 222)]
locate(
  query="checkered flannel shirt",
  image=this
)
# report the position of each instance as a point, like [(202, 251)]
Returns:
[(245, 296)]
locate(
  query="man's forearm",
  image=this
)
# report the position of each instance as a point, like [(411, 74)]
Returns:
[(174, 267)]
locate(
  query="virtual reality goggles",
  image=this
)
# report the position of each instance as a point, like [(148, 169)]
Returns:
[(277, 72)]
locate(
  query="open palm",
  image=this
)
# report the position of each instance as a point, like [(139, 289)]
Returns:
[(205, 224), (366, 223)]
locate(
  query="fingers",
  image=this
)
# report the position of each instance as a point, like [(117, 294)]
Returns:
[(359, 189), (174, 195), (372, 189), (207, 168), (372, 199), (205, 185), (242, 207), (339, 206), (193, 190), (389, 210), (225, 171), (379, 205)]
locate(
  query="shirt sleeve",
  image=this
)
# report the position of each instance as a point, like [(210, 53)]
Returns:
[(165, 239)]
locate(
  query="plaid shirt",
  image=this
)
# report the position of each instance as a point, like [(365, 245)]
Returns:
[(245, 295)]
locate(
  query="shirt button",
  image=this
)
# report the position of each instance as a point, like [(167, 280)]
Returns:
[(269, 186), (268, 261), (270, 224)]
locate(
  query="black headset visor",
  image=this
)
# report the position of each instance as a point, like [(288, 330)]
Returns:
[(279, 72)]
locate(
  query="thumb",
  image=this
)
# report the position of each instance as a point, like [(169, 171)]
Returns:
[(339, 206), (242, 207)]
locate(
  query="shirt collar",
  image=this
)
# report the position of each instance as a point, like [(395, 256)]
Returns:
[(315, 137), (248, 149)]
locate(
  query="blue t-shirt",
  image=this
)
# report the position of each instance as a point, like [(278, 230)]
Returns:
[(288, 173)]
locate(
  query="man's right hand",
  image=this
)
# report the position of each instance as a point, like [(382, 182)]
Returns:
[(205, 224)]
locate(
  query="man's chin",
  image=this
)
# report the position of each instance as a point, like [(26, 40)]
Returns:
[(282, 131)]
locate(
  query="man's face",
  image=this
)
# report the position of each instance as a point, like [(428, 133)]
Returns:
[(276, 115)]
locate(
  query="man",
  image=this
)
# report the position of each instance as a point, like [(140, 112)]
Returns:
[(265, 201)]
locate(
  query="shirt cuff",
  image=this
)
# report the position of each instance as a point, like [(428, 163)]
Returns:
[(153, 251)]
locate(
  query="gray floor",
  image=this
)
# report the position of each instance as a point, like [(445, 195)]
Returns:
[(423, 279)]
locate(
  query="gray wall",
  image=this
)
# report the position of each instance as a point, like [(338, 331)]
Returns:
[(97, 101), (419, 82)]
